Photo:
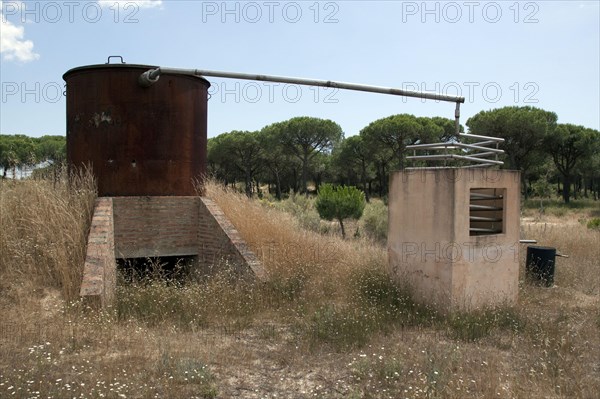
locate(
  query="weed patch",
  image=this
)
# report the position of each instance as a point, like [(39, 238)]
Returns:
[(390, 301), (375, 220), (472, 326), (340, 328), (594, 224)]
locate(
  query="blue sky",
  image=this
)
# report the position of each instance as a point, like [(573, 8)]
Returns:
[(541, 53)]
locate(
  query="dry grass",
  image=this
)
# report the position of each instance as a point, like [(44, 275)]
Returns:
[(329, 324), (570, 236), (44, 228), (325, 261)]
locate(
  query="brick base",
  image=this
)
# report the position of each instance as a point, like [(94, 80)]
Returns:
[(139, 227), (220, 241), (99, 273)]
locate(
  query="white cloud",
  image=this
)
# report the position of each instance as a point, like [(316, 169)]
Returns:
[(139, 3), (13, 47)]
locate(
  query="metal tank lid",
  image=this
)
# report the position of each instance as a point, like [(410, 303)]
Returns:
[(122, 64)]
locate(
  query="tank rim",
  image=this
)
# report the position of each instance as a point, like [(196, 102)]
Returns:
[(134, 66)]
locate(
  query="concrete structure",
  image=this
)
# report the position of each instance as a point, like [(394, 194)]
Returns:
[(454, 235), (140, 227)]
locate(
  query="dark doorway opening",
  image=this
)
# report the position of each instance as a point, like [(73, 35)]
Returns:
[(175, 269)]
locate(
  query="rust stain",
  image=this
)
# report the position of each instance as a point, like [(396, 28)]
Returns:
[(97, 119)]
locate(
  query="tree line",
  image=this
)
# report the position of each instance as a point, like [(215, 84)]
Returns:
[(286, 156), (20, 151)]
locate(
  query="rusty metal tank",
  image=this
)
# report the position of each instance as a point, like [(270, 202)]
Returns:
[(139, 141)]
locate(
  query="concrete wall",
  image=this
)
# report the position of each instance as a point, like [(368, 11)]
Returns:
[(140, 227), (429, 243)]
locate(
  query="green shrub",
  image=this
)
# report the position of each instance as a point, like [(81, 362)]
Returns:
[(375, 220), (303, 210), (339, 203), (594, 224)]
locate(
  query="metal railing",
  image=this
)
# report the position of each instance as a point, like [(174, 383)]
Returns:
[(482, 153)]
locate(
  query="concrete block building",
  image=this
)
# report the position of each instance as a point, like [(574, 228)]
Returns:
[(454, 235)]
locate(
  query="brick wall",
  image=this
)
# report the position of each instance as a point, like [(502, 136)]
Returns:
[(156, 226), (99, 273), (219, 240), (139, 227)]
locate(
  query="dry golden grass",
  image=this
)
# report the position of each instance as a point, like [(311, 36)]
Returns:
[(570, 236), (327, 325), (327, 261), (44, 228)]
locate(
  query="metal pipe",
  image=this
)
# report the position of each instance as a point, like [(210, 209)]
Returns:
[(480, 160), (483, 230), (483, 219), (442, 146), (484, 143), (476, 147), (454, 146), (151, 76), (483, 195), (457, 118), (483, 154), (433, 146), (479, 165), (437, 167), (477, 197), (484, 208), (476, 136), (431, 157), (454, 156)]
